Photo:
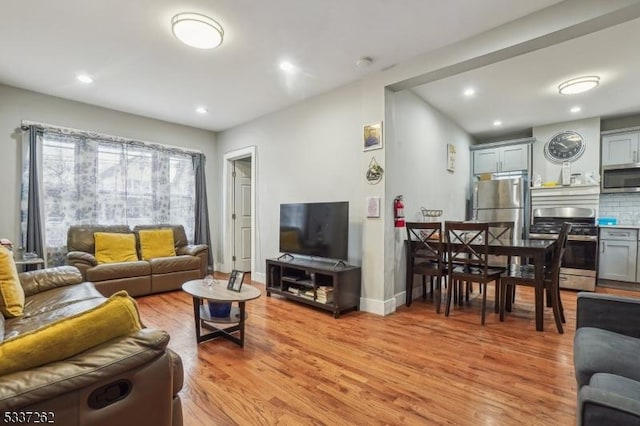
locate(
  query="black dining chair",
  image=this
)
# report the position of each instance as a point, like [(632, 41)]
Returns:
[(501, 231), (525, 276), (425, 256), (468, 260)]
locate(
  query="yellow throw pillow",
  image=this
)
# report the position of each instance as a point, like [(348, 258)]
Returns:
[(11, 292), (156, 243), (115, 247), (118, 316)]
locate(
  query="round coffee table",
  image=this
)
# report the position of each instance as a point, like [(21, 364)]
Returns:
[(218, 293)]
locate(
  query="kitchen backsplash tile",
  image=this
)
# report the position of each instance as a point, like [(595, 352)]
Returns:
[(625, 207)]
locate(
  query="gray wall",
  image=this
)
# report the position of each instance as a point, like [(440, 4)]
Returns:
[(19, 104), (309, 152), (417, 169)]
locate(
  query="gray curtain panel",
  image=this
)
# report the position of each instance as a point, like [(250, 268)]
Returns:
[(34, 240), (201, 232)]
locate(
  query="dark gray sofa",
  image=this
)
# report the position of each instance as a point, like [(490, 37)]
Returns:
[(606, 357)]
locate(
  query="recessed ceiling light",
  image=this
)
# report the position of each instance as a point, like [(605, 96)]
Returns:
[(196, 30), (578, 85), (497, 123), (84, 78), (576, 109), (469, 91), (201, 110), (286, 66)]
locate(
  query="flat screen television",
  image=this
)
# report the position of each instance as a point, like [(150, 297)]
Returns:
[(315, 229)]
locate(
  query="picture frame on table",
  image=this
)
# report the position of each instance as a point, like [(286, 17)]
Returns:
[(235, 280), (372, 136)]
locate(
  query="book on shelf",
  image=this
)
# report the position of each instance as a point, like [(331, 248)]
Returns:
[(324, 294)]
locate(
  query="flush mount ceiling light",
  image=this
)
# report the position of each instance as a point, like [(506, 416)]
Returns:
[(576, 109), (201, 110), (578, 85), (497, 123), (196, 30), (468, 92)]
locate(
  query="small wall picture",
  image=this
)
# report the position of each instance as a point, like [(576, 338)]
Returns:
[(451, 157), (373, 206), (372, 136), (235, 280)]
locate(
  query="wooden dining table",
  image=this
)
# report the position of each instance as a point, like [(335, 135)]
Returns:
[(536, 250)]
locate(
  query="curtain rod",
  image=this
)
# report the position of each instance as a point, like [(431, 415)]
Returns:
[(26, 123)]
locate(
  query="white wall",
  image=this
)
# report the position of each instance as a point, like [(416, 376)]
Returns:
[(18, 104), (309, 152), (589, 161), (417, 169)]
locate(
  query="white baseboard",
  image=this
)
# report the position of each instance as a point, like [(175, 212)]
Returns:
[(378, 307), (259, 277), (401, 298)]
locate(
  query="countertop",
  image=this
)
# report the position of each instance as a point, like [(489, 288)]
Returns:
[(620, 226)]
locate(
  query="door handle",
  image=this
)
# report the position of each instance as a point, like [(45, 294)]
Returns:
[(602, 246)]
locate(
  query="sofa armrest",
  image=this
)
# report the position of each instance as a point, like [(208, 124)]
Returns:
[(110, 359), (178, 371), (619, 314), (34, 282), (192, 250), (600, 407), (82, 261)]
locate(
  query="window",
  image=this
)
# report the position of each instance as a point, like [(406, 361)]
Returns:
[(95, 181)]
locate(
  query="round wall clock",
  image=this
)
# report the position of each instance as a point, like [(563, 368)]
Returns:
[(565, 146)]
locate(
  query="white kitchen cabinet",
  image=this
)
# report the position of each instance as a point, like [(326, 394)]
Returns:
[(501, 159), (618, 254), (620, 148)]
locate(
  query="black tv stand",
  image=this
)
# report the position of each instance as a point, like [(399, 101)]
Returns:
[(286, 255), (316, 283)]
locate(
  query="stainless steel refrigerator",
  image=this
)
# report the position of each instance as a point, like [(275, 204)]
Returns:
[(503, 200)]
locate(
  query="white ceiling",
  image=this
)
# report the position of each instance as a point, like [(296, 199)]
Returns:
[(522, 92), (140, 68)]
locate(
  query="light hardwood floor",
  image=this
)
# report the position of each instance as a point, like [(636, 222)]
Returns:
[(414, 367)]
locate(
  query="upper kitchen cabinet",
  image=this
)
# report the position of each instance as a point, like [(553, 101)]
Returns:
[(507, 156), (620, 148)]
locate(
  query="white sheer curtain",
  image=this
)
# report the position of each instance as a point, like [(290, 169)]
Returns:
[(97, 181)]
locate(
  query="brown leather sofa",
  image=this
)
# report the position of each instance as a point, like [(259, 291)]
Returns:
[(130, 380), (141, 277)]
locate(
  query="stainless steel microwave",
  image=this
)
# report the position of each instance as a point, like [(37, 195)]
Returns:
[(620, 178)]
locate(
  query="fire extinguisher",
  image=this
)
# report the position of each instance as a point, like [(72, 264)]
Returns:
[(398, 212)]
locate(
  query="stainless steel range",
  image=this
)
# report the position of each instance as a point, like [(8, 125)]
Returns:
[(580, 259)]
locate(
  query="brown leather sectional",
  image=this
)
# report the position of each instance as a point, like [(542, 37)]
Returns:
[(141, 277), (130, 380)]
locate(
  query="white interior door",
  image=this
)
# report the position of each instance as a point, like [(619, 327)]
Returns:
[(241, 215)]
